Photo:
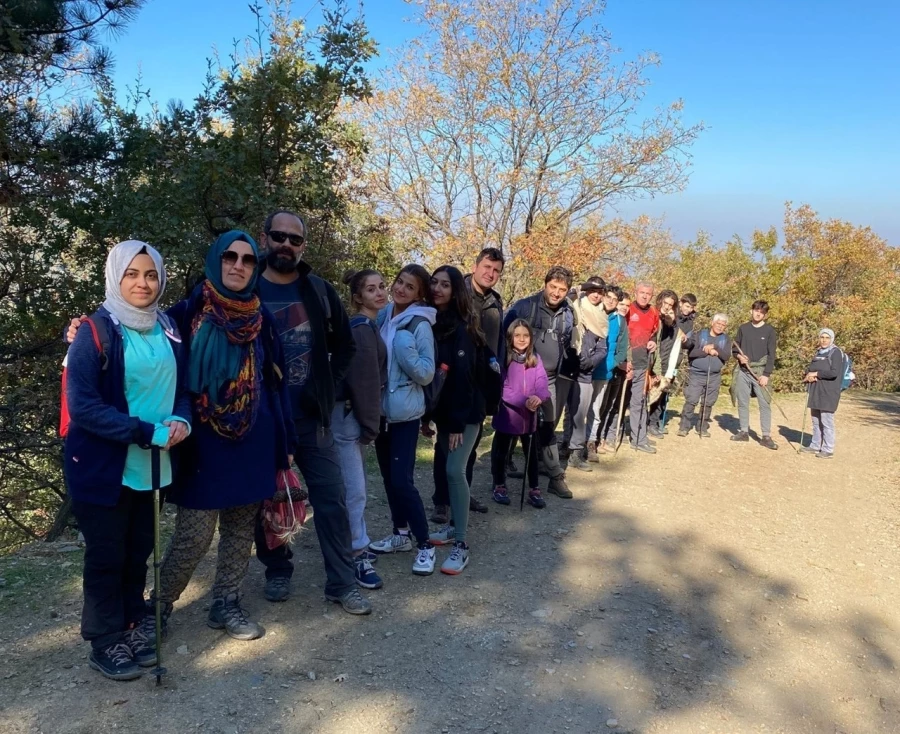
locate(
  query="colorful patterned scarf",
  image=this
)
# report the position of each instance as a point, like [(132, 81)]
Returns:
[(226, 361)]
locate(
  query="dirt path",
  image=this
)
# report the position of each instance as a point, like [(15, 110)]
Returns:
[(713, 587)]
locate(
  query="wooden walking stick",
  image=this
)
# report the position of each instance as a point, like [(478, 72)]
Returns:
[(805, 410)]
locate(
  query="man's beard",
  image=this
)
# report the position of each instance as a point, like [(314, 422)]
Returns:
[(281, 260)]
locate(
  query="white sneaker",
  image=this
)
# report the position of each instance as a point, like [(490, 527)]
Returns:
[(457, 560), (445, 535), (424, 565), (395, 543)]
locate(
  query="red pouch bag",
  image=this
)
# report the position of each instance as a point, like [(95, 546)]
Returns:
[(285, 513)]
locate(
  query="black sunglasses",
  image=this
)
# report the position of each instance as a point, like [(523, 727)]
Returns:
[(279, 237), (229, 257)]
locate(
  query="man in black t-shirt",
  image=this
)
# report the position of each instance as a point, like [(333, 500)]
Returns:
[(318, 346), (754, 348)]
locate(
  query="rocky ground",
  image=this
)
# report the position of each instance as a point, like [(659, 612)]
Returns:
[(712, 587)]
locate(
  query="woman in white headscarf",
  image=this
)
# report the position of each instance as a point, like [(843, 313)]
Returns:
[(124, 393), (825, 376)]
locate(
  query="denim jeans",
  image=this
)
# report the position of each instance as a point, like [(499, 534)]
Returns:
[(351, 451), (396, 451)]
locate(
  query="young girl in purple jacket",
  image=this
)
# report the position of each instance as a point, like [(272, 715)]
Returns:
[(525, 388)]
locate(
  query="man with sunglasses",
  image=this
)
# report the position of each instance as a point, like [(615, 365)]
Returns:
[(318, 346)]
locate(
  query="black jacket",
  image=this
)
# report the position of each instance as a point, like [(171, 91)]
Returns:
[(702, 362), (552, 329), (489, 309), (581, 366), (329, 365), (364, 384), (825, 393), (461, 402)]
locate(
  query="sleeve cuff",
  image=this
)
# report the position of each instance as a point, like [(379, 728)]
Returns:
[(160, 435)]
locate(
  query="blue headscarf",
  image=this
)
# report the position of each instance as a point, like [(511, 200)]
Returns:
[(225, 346), (213, 267)]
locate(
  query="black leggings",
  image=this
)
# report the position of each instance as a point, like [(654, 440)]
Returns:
[(500, 456)]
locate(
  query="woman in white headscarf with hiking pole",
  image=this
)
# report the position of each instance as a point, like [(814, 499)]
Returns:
[(124, 400), (824, 376)]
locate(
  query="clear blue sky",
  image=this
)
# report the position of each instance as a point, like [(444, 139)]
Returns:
[(801, 97)]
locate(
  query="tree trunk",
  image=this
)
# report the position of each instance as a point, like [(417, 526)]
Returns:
[(61, 521)]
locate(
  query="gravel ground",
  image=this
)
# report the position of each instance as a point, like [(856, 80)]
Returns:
[(712, 587)]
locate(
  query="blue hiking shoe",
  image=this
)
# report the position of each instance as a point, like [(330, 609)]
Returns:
[(365, 574), (499, 495)]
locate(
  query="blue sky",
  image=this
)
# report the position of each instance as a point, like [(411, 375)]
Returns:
[(801, 97)]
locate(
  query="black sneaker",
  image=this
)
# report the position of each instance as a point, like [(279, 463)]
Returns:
[(742, 437), (115, 662), (277, 589), (577, 462), (535, 499), (768, 443), (227, 614), (476, 506), (143, 651), (148, 623)]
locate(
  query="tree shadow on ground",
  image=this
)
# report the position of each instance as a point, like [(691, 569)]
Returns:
[(883, 409), (574, 615)]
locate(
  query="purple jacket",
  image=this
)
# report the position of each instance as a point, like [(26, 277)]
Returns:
[(519, 384)]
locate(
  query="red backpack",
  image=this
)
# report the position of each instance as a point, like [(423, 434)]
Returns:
[(101, 341)]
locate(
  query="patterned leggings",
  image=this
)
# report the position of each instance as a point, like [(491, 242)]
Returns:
[(194, 531)]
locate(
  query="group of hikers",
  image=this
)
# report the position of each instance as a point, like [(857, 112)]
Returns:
[(262, 368)]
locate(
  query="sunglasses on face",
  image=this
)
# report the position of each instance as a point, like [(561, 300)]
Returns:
[(279, 237), (230, 257)]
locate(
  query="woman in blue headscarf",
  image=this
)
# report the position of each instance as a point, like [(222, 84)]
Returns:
[(242, 429)]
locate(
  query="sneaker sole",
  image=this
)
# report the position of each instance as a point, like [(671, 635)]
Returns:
[(434, 541), (370, 587), (392, 550), (455, 572), (232, 635), (116, 676), (358, 612), (146, 663), (418, 572), (276, 599)]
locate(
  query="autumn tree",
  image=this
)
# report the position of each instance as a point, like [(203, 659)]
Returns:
[(506, 115)]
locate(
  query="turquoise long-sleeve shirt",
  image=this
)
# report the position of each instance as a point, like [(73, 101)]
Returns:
[(150, 383)]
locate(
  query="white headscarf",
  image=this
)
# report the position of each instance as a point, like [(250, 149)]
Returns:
[(117, 262)]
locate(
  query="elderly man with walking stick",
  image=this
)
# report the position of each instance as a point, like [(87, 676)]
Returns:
[(708, 352)]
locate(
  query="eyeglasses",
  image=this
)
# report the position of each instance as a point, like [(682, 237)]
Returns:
[(279, 237), (229, 257)]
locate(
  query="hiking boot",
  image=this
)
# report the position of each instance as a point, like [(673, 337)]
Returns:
[(148, 623), (768, 443), (743, 436), (682, 432), (278, 588), (457, 561), (424, 563), (655, 432), (352, 602), (704, 433), (535, 499), (499, 495), (227, 614), (396, 543), (825, 455), (809, 450), (441, 514), (577, 462), (365, 574), (143, 651), (559, 487), (646, 447), (115, 662), (592, 454), (476, 506), (443, 536)]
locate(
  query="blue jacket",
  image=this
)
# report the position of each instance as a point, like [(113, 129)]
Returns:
[(216, 473), (101, 428), (410, 362)]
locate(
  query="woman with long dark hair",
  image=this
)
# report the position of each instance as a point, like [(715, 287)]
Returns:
[(405, 326), (461, 407)]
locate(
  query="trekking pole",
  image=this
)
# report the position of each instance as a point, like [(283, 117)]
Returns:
[(531, 448), (159, 670), (620, 427), (703, 397), (803, 428)]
